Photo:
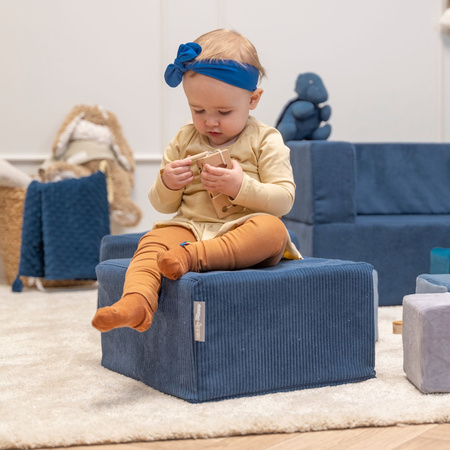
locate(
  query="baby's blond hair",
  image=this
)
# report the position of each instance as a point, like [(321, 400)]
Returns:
[(223, 44)]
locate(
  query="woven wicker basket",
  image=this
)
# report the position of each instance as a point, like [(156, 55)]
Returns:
[(12, 201), (11, 212)]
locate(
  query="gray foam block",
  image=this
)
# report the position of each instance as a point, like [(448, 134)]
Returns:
[(426, 341)]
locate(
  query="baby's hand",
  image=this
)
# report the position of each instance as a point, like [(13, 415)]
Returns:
[(224, 181), (178, 174)]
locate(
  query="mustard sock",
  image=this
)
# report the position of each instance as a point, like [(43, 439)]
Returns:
[(131, 311), (175, 263)]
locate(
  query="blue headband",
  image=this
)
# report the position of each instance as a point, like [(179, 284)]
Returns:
[(238, 74)]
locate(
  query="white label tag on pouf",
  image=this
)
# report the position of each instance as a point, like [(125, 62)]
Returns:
[(199, 321)]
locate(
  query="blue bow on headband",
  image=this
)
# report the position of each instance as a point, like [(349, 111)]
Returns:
[(231, 72), (174, 72)]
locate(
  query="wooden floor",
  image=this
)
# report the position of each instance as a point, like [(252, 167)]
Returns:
[(423, 437)]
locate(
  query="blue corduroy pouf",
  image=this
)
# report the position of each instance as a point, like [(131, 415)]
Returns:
[(216, 335)]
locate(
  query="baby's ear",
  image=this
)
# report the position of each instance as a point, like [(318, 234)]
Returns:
[(255, 97)]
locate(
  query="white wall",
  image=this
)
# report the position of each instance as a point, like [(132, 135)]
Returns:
[(385, 65)]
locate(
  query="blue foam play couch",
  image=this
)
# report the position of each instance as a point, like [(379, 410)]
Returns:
[(387, 204)]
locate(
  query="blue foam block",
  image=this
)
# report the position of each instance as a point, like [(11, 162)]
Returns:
[(432, 283), (440, 260)]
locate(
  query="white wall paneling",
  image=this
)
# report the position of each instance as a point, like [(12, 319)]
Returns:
[(386, 66)]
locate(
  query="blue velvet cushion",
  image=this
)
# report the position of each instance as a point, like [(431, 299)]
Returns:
[(402, 178), (300, 324), (398, 246), (383, 203), (324, 175)]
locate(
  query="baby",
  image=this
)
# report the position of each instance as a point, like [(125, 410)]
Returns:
[(220, 72)]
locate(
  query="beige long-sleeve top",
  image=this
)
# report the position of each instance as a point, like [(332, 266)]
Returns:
[(268, 186)]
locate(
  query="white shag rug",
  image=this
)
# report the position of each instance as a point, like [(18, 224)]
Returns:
[(54, 392)]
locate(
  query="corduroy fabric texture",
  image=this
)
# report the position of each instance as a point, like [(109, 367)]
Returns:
[(300, 324)]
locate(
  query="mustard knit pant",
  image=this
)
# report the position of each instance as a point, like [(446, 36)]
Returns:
[(260, 242)]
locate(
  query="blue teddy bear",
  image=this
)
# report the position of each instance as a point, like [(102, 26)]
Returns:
[(302, 116)]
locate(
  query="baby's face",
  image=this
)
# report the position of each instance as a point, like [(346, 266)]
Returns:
[(219, 110)]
